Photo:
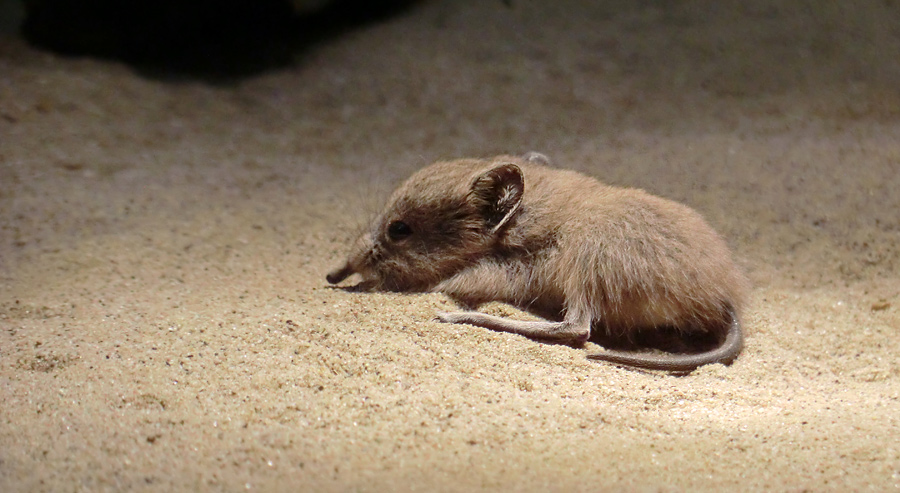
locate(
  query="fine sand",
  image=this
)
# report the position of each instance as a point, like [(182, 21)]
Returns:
[(165, 322)]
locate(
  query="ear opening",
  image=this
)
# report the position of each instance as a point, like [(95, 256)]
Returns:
[(497, 194)]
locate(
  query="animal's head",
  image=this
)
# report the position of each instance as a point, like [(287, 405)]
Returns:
[(442, 219)]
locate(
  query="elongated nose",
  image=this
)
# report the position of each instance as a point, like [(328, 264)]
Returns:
[(339, 275)]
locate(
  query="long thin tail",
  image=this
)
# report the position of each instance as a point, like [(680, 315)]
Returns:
[(726, 353)]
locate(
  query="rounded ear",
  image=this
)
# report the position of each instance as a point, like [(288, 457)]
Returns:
[(497, 194), (537, 158)]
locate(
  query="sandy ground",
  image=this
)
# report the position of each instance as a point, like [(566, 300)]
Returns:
[(165, 323)]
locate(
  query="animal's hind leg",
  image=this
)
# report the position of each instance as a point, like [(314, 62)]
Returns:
[(573, 329)]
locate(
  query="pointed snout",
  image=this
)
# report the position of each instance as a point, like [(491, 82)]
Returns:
[(356, 262), (340, 274)]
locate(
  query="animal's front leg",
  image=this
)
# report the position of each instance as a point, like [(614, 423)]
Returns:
[(507, 282), (486, 281), (571, 330)]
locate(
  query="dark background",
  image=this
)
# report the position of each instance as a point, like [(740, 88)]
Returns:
[(215, 38)]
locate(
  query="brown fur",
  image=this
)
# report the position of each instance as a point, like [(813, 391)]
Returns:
[(616, 260)]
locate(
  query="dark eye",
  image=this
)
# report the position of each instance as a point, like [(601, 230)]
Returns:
[(398, 230)]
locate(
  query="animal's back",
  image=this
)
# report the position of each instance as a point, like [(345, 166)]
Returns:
[(631, 259)]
